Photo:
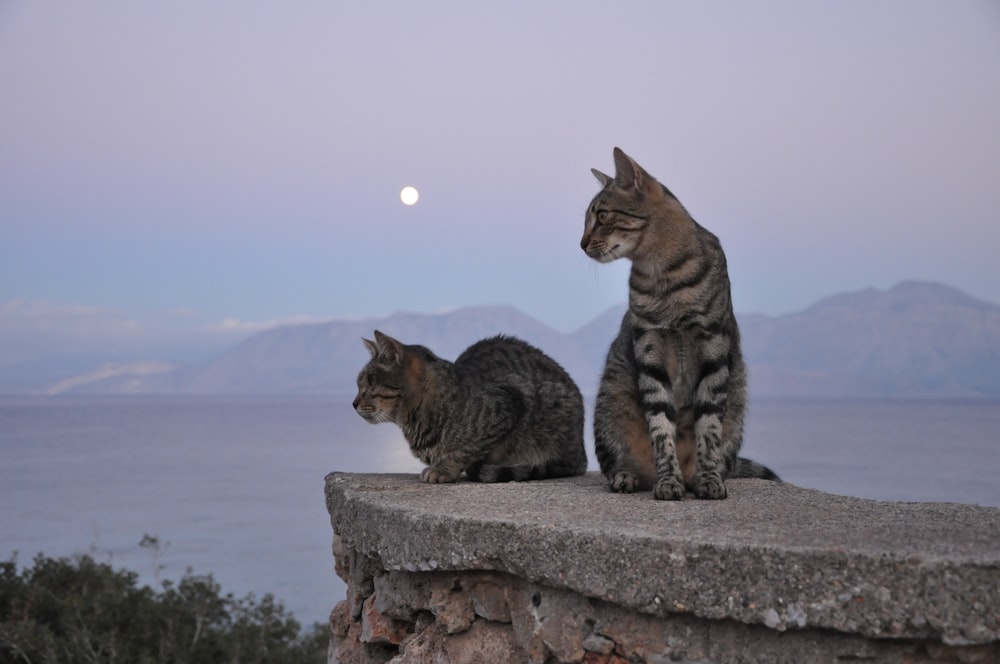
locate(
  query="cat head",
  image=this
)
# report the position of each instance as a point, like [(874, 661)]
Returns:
[(620, 213), (384, 382)]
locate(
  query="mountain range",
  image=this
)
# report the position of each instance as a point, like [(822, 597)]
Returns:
[(916, 339)]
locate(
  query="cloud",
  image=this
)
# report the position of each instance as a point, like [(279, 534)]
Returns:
[(42, 309), (133, 370), (25, 320), (36, 327), (234, 326), (181, 312), (237, 326), (32, 329)]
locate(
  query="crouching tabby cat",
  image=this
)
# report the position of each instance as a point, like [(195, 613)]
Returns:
[(669, 411), (502, 411)]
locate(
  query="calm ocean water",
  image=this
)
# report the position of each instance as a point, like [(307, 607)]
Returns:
[(234, 486)]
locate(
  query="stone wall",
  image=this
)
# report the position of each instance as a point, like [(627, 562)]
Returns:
[(565, 571)]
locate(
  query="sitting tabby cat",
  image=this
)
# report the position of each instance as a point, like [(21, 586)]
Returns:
[(669, 411), (502, 411)]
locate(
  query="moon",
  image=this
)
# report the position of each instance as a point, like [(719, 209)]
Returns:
[(409, 195)]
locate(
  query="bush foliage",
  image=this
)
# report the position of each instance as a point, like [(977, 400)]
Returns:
[(78, 610)]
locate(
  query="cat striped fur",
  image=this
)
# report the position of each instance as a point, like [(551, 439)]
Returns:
[(503, 411), (671, 403)]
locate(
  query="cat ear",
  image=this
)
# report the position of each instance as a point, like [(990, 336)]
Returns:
[(371, 346), (390, 349), (628, 174), (601, 177)]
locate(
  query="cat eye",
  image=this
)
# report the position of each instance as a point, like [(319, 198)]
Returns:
[(602, 216)]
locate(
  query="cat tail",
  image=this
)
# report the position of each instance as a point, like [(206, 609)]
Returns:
[(747, 468), (523, 472)]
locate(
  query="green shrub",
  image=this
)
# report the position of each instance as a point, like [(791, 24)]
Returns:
[(78, 610)]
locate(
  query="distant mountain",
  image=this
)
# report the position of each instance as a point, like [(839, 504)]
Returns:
[(914, 340), (324, 358), (327, 357)]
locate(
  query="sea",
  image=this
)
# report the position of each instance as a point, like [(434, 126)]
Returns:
[(233, 486)]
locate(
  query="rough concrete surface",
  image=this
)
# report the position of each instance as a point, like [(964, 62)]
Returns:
[(771, 554)]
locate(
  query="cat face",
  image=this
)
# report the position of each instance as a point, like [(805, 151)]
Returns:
[(378, 395), (381, 381), (617, 216), (612, 229)]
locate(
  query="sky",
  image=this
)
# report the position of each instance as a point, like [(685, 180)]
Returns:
[(184, 173)]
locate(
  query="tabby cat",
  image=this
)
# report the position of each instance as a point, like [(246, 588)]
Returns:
[(669, 411), (502, 411)]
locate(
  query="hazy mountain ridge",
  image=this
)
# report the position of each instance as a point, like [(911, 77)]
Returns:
[(913, 340), (324, 358)]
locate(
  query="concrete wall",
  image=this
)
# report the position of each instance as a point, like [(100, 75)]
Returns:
[(565, 571)]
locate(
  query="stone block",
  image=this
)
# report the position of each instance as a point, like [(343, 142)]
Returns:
[(565, 571), (379, 628), (452, 608), (489, 599)]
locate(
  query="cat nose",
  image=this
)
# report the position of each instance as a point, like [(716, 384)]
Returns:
[(355, 404), (584, 241)]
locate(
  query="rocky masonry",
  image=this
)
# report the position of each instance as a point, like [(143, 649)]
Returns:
[(565, 571)]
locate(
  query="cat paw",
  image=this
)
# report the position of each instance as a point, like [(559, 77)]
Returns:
[(433, 475), (672, 489), (624, 483), (710, 487)]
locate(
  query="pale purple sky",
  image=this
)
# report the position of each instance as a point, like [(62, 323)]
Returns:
[(170, 170)]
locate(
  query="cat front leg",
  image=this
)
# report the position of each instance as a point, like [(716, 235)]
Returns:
[(441, 474), (466, 442), (708, 477), (445, 462), (449, 468), (669, 482), (657, 397), (709, 411)]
